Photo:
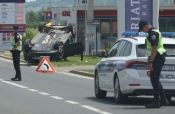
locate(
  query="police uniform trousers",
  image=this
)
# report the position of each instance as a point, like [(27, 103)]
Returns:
[(155, 76), (16, 63)]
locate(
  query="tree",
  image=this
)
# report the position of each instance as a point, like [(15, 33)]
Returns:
[(31, 19), (42, 14)]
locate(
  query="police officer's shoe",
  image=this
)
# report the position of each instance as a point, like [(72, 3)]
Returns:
[(164, 102), (16, 79), (154, 104)]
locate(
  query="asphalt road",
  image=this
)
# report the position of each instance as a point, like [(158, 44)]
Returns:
[(61, 93)]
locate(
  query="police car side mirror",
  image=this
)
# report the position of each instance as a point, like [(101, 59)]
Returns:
[(102, 54)]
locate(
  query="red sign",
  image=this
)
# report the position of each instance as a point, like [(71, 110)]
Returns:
[(45, 66), (9, 27), (48, 15), (66, 13)]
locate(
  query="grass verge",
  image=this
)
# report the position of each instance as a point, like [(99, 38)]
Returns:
[(72, 61), (76, 61)]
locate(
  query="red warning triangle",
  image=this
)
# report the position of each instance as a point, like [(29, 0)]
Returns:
[(45, 66)]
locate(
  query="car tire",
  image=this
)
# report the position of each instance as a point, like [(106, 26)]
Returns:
[(41, 26), (98, 92), (169, 97), (119, 97), (26, 46), (71, 28), (60, 47)]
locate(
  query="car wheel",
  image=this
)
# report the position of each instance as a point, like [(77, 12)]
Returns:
[(119, 97), (41, 26), (98, 93), (26, 46), (61, 50), (169, 97), (60, 47), (72, 28)]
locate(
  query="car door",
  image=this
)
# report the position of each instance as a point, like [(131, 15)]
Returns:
[(111, 63), (104, 65)]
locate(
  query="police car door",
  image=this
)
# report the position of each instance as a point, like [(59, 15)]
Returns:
[(112, 62), (107, 65)]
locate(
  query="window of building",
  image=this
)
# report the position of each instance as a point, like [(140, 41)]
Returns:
[(162, 24), (81, 30), (170, 24)]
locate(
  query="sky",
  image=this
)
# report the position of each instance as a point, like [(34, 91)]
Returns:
[(29, 0)]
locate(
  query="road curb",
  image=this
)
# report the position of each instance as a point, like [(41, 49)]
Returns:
[(5, 57), (82, 73)]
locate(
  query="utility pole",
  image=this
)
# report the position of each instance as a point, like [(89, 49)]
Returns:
[(104, 2)]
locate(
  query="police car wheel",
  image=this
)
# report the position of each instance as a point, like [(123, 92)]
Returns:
[(98, 93), (119, 97)]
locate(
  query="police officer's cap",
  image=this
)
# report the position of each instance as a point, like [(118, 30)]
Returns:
[(142, 24), (15, 27)]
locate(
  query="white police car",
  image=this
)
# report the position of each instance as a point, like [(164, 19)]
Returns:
[(124, 71)]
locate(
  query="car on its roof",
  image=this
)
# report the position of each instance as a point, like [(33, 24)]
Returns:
[(124, 70), (55, 41)]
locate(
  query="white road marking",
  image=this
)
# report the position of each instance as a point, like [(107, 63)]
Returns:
[(94, 109), (32, 90), (71, 102), (17, 85), (55, 97), (76, 75), (43, 93)]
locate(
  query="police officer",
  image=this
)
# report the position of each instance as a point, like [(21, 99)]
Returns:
[(16, 47), (156, 59)]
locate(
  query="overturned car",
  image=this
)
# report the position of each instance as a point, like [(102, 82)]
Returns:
[(57, 42)]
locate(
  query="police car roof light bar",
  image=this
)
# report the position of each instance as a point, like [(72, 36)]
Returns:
[(143, 34), (132, 33), (168, 34)]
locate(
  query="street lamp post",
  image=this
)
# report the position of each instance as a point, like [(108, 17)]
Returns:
[(86, 40)]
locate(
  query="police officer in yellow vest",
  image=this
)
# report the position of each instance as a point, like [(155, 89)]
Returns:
[(16, 47), (156, 59)]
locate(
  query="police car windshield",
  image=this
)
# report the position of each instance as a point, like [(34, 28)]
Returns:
[(141, 50)]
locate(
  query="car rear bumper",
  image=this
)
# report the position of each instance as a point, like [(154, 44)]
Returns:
[(150, 92), (133, 84), (146, 90)]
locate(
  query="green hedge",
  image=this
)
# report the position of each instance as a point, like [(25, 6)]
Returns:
[(30, 33)]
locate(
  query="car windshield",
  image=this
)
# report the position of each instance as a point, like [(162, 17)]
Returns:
[(141, 50)]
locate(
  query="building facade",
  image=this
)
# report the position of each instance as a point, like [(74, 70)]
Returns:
[(107, 18)]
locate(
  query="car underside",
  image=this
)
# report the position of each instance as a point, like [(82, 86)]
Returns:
[(51, 41)]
